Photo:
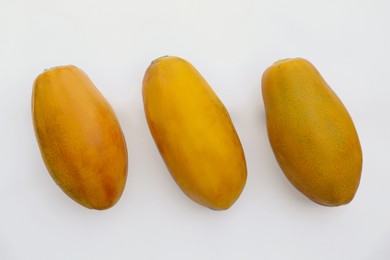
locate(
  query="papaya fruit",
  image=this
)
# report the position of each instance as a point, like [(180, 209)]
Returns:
[(194, 133), (79, 136), (311, 133)]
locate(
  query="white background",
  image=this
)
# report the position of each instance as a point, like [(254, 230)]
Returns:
[(231, 43)]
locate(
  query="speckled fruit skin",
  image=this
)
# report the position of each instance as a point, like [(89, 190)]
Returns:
[(311, 133), (79, 137), (194, 133)]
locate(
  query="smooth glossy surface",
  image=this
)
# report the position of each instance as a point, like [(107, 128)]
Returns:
[(194, 133)]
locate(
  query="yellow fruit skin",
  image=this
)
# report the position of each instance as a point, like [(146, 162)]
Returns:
[(194, 133), (311, 133), (79, 137)]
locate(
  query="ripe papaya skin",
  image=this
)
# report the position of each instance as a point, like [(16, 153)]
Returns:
[(80, 139), (311, 133), (194, 133)]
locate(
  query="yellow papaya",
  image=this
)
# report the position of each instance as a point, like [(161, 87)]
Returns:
[(79, 137), (194, 133), (311, 133)]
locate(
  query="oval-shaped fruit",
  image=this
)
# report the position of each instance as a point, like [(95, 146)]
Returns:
[(194, 133), (311, 133), (79, 137)]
